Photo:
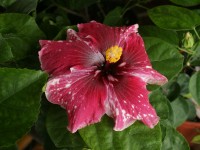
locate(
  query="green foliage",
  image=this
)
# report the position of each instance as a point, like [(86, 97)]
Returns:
[(19, 35), (95, 136), (171, 90), (174, 140), (24, 22), (6, 3), (195, 58), (56, 127), (114, 17), (181, 110), (183, 81), (168, 36), (163, 55), (20, 92), (186, 2), (194, 86), (21, 6), (173, 17)]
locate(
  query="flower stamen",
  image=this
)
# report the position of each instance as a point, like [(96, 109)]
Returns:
[(113, 54)]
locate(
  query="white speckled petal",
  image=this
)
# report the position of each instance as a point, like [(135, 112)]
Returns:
[(138, 63), (128, 101), (57, 57), (103, 36), (82, 95)]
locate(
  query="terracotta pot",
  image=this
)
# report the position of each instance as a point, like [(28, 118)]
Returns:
[(189, 130)]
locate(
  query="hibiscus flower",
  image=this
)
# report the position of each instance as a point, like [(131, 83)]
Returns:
[(100, 70)]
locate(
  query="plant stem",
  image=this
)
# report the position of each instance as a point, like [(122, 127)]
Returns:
[(196, 33), (101, 9), (141, 6), (126, 8), (68, 10)]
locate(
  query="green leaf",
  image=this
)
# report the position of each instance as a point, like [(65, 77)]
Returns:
[(169, 122), (194, 86), (5, 50), (56, 123), (114, 17), (168, 36), (174, 140), (164, 57), (186, 2), (195, 59), (171, 90), (181, 109), (6, 3), (192, 110), (101, 136), (20, 91), (183, 81), (23, 6), (159, 102), (19, 35), (171, 139), (40, 126), (173, 17)]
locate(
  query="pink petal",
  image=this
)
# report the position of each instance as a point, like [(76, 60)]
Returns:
[(138, 63), (57, 57), (82, 94), (128, 101), (134, 53), (104, 36)]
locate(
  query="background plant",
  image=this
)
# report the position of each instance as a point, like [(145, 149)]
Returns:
[(170, 30)]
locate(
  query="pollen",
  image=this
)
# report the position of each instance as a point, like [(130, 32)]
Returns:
[(113, 54)]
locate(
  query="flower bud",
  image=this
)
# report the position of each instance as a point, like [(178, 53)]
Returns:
[(188, 40)]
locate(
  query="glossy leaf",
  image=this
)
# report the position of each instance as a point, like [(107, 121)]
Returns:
[(194, 86), (174, 140), (159, 102), (40, 127), (56, 123), (5, 50), (133, 136), (183, 81), (169, 121), (181, 109), (20, 91), (164, 57), (6, 3), (173, 17), (186, 2), (192, 110), (168, 36), (20, 35), (171, 90), (114, 17), (195, 59), (101, 136), (23, 6)]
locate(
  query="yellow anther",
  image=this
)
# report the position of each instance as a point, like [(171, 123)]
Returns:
[(113, 54)]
